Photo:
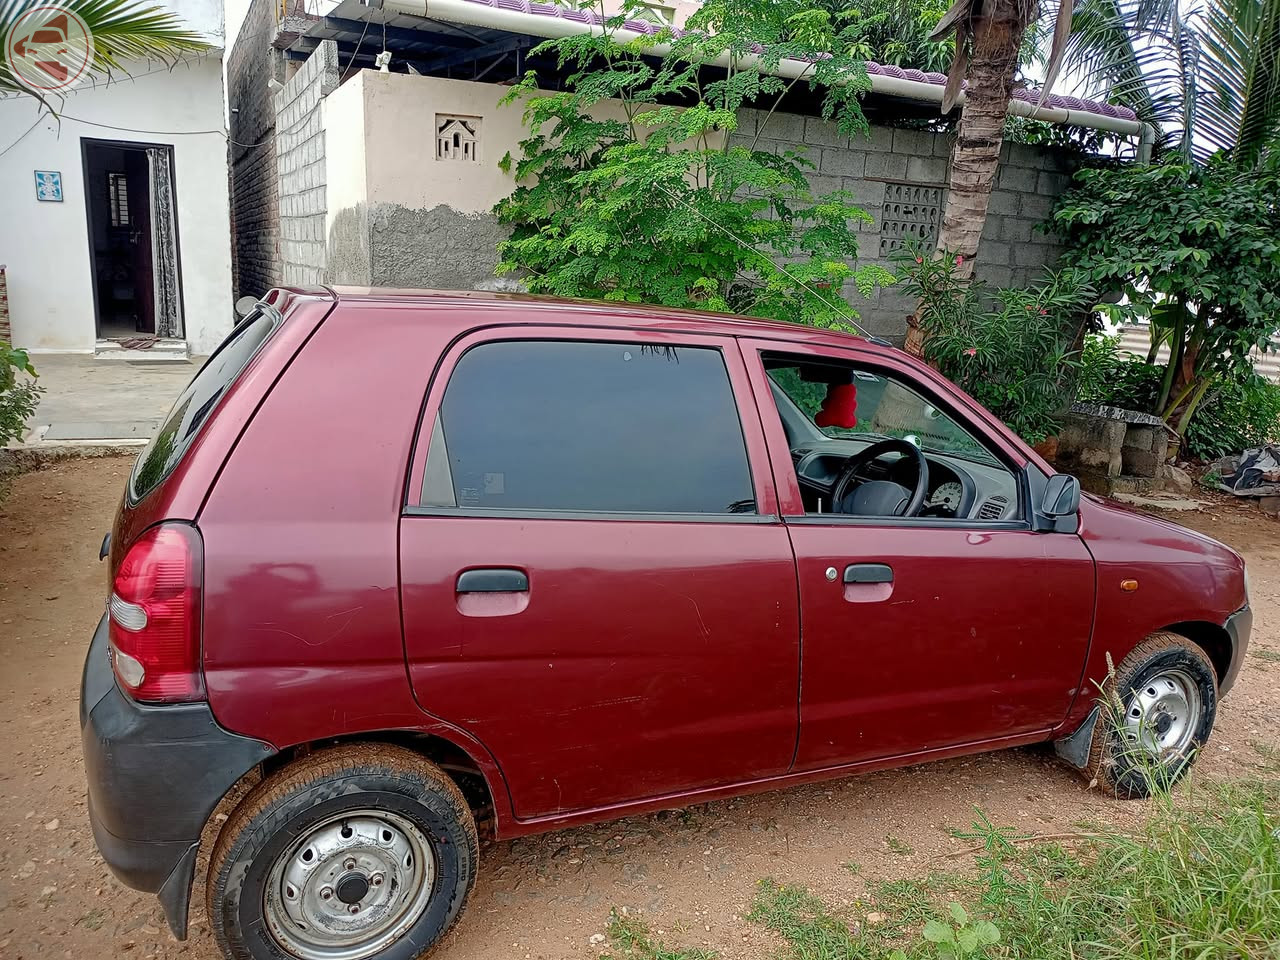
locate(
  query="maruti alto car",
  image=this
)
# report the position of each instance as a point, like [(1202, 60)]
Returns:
[(402, 567)]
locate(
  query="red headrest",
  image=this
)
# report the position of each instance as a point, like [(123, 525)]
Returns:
[(839, 406)]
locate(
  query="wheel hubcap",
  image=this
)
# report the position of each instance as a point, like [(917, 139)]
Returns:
[(1164, 713), (350, 887)]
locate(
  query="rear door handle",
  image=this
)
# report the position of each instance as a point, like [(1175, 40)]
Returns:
[(868, 573), (493, 580)]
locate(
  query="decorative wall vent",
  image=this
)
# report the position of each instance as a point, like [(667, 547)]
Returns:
[(457, 138), (912, 211)]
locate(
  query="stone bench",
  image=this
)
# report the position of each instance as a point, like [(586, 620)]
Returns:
[(1113, 450)]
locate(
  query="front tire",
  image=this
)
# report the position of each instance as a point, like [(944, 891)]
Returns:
[(357, 852), (1157, 713)]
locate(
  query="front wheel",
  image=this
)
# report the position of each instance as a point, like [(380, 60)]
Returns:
[(1157, 713), (359, 851)]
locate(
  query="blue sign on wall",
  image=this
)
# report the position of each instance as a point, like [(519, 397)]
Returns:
[(49, 185)]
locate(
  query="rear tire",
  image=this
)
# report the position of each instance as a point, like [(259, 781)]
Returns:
[(1157, 713), (357, 852)]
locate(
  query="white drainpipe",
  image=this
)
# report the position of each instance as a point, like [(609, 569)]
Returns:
[(515, 21)]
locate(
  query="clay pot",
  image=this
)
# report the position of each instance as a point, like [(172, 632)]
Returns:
[(1047, 448)]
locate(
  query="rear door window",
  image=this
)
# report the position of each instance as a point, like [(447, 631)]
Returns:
[(197, 401), (602, 427)]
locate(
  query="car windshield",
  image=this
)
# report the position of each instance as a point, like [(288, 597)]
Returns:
[(880, 408)]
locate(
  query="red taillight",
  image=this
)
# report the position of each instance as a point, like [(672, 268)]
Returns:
[(154, 615)]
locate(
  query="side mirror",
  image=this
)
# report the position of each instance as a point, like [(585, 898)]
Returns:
[(1061, 496), (245, 305)]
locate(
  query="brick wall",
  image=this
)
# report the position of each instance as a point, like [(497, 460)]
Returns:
[(900, 177), (255, 220), (5, 333), (301, 167)]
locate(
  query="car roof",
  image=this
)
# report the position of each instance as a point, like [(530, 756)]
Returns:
[(604, 313)]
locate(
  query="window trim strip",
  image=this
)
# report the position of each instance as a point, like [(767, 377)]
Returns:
[(482, 513)]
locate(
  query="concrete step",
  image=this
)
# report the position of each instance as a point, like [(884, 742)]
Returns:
[(159, 352)]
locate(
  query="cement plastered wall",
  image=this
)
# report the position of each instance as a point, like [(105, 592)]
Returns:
[(300, 164), (45, 245), (399, 215), (900, 177)]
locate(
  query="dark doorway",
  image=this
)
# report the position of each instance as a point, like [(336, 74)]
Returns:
[(132, 240)]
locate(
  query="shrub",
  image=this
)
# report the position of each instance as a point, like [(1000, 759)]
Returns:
[(1194, 250), (1010, 348), (1238, 412), (1115, 378), (19, 393), (632, 186)]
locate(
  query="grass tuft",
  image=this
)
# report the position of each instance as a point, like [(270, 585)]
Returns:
[(631, 939), (1201, 881)]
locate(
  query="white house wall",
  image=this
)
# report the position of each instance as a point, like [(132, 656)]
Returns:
[(45, 246)]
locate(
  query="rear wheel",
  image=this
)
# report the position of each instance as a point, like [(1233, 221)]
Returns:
[(1157, 715), (359, 852)]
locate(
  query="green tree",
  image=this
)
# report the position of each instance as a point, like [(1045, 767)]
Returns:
[(1193, 249), (123, 31), (632, 187), (1207, 74), (896, 32)]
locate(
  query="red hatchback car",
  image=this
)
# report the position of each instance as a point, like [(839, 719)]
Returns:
[(401, 567)]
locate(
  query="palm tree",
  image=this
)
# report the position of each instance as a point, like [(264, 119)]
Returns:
[(1205, 73), (989, 37), (123, 31)]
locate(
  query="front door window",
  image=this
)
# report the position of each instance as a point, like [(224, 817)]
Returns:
[(859, 437)]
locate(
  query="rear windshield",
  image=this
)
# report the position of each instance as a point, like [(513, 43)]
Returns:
[(197, 401)]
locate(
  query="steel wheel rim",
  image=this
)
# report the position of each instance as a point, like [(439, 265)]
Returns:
[(377, 862), (1163, 714)]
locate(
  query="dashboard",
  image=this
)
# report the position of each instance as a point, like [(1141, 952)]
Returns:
[(958, 488)]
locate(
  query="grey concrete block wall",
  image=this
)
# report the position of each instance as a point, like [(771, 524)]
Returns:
[(900, 177), (300, 165), (255, 210)]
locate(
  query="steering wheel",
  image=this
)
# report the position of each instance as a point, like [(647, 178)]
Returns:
[(880, 498)]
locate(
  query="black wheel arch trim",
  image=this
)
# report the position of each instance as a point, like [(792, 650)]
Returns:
[(1238, 626)]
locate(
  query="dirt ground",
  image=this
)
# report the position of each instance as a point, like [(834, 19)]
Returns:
[(689, 874)]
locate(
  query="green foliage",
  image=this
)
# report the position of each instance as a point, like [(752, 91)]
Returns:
[(1206, 74), (1237, 414), (19, 393), (623, 195), (1238, 411), (808, 925), (631, 938), (1011, 349), (123, 31), (1114, 378), (1194, 250), (897, 32), (1200, 880), (960, 938), (1084, 141)]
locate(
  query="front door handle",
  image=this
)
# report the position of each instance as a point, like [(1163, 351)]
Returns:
[(868, 573), (493, 580)]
